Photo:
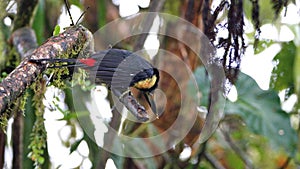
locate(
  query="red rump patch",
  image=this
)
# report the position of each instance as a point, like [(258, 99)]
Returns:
[(88, 62)]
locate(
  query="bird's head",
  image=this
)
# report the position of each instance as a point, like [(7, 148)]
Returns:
[(146, 81)]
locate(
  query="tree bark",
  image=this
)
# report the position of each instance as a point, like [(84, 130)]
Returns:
[(72, 41), (2, 147)]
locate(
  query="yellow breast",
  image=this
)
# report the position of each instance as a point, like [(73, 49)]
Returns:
[(147, 83)]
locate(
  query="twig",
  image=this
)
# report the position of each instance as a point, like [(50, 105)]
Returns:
[(69, 13), (237, 150), (24, 40), (200, 153), (72, 41), (213, 161), (17, 143)]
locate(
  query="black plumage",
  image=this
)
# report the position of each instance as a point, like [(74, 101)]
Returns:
[(119, 70)]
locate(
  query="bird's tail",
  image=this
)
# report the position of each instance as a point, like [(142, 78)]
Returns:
[(84, 63)]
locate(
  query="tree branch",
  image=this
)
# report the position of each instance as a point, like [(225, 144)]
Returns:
[(25, 13), (237, 150), (155, 6), (24, 40), (70, 42), (17, 142), (2, 147), (213, 161)]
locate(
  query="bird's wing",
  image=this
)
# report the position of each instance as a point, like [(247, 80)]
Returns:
[(118, 68)]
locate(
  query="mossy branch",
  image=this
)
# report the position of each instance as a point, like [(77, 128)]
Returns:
[(70, 42)]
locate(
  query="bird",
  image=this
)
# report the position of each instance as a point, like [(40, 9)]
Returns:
[(119, 69)]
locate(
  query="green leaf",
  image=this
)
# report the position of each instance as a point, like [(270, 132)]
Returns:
[(41, 160), (76, 3), (282, 75), (118, 161), (75, 145), (101, 5), (203, 85), (29, 120), (134, 148), (266, 13), (171, 7), (3, 46), (94, 150), (234, 161), (56, 30), (262, 45), (39, 22), (297, 71), (261, 111)]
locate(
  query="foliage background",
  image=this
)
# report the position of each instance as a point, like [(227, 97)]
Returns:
[(256, 131)]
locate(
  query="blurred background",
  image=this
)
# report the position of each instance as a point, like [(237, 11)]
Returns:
[(256, 42)]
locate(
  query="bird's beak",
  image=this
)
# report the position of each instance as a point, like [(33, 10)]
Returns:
[(150, 99)]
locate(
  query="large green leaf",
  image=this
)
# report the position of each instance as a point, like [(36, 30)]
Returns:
[(297, 66), (266, 13), (203, 83), (282, 75), (261, 111), (137, 148), (28, 125), (39, 22)]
